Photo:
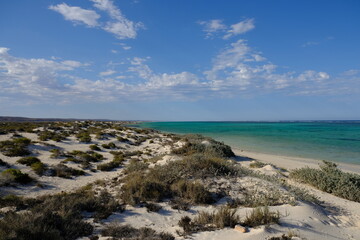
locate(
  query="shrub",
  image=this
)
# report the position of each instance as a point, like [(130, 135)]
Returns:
[(205, 146), (28, 160), (126, 232), (94, 147), (109, 146), (135, 166), (138, 189), (64, 171), (16, 147), (11, 175), (39, 168), (256, 164), (3, 163), (152, 207), (108, 166), (56, 153), (50, 135), (179, 204), (330, 179), (42, 225), (194, 192), (84, 137), (261, 216), (208, 221)]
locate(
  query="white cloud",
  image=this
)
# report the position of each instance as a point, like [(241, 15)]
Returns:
[(77, 14), (216, 26), (107, 73), (212, 26), (119, 25), (240, 28)]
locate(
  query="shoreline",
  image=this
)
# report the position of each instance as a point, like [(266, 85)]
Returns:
[(289, 162)]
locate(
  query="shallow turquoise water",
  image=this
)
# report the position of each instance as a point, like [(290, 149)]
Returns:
[(333, 141)]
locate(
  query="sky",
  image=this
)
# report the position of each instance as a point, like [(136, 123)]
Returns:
[(180, 60)]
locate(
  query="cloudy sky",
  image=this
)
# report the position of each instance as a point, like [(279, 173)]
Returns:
[(180, 60)]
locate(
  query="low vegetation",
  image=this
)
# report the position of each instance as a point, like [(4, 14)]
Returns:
[(126, 232), (261, 216), (15, 147), (330, 179), (11, 175)]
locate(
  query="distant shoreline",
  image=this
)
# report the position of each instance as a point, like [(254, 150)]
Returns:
[(289, 162)]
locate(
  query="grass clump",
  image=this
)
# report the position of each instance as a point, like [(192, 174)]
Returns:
[(39, 168), (28, 160), (126, 232), (84, 137), (257, 164), (109, 146), (12, 175), (94, 147), (64, 171), (205, 146), (261, 216), (192, 191), (15, 147), (330, 179), (209, 221)]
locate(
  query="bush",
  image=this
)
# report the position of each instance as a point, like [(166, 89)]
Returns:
[(94, 147), (330, 179), (38, 167), (196, 144), (28, 160), (135, 166), (261, 216), (108, 166), (64, 171), (209, 221), (256, 164), (42, 225), (15, 175), (109, 146), (50, 135), (16, 147), (84, 137), (194, 192), (126, 232), (152, 207), (3, 163)]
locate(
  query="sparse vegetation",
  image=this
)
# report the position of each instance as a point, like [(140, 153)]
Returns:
[(330, 179), (15, 147), (126, 232), (261, 216), (256, 164), (28, 160), (12, 175), (64, 171), (94, 147)]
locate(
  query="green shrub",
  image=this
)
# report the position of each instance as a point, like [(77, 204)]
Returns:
[(257, 164), (16, 147), (261, 216), (84, 137), (109, 146), (28, 160), (64, 171), (11, 174), (108, 166), (3, 163), (330, 179), (194, 192), (38, 167), (50, 135), (42, 225), (94, 147), (196, 144), (126, 232), (208, 221)]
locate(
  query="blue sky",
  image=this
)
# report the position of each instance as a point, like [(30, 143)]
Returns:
[(180, 60)]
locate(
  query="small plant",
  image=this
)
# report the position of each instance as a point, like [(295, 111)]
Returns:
[(261, 216), (39, 168), (109, 146), (84, 137), (194, 192), (152, 207), (330, 179), (94, 147), (15, 175), (127, 232), (64, 171), (28, 160), (16, 147), (256, 164), (179, 204)]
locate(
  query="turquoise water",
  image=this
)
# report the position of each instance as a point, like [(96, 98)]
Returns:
[(333, 141)]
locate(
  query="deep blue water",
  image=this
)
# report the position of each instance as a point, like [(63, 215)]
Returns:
[(333, 141)]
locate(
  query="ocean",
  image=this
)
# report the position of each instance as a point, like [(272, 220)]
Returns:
[(337, 141)]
